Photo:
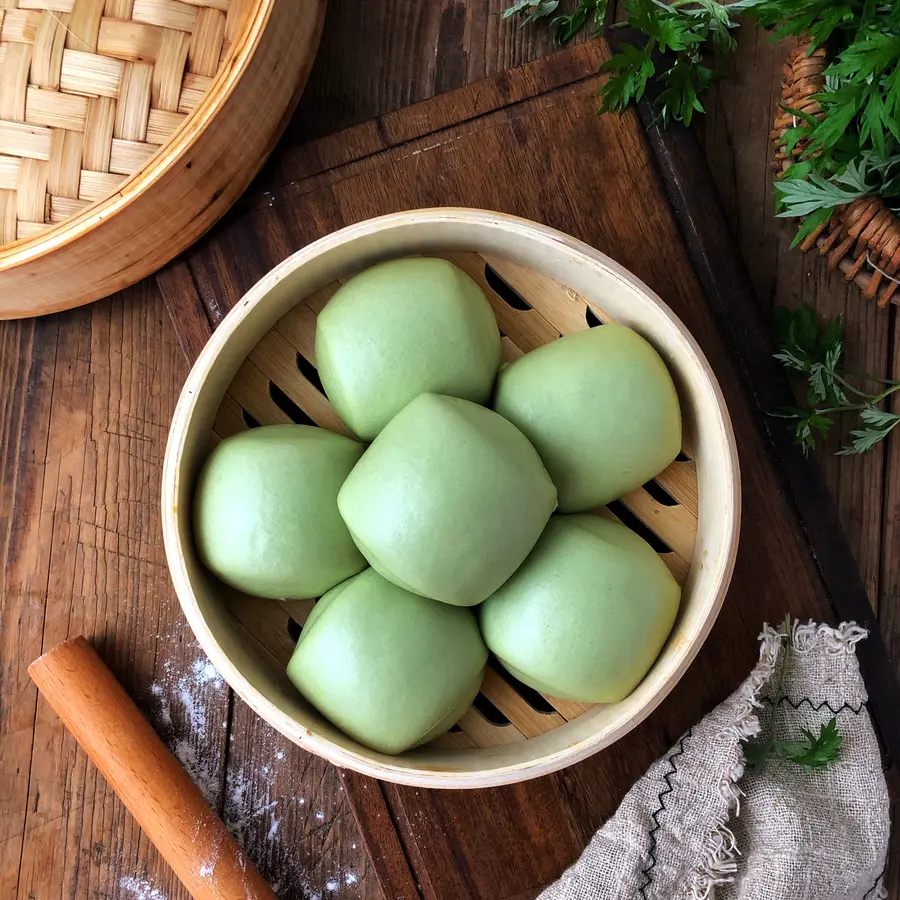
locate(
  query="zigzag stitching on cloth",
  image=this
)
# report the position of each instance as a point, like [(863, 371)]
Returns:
[(823, 705), (673, 769)]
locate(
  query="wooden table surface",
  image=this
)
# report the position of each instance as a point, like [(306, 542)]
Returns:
[(85, 401)]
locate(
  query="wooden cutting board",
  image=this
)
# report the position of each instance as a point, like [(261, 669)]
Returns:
[(528, 142)]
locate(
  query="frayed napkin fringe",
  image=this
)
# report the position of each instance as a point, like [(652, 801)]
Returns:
[(719, 863), (843, 639)]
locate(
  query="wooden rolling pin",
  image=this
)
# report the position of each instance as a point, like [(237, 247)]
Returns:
[(148, 779)]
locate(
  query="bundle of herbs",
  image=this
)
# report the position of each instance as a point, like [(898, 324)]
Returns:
[(850, 150)]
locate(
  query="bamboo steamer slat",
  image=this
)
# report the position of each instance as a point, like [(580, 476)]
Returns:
[(259, 368), (127, 127)]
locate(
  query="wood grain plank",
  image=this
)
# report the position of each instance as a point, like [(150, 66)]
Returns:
[(733, 306), (386, 852), (401, 54), (727, 286), (433, 47), (182, 301), (83, 439), (470, 843), (864, 488), (101, 467), (889, 591), (288, 811), (27, 357), (77, 869), (293, 161)]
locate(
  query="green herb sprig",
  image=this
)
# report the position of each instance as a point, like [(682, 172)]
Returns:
[(565, 27), (851, 151), (804, 192), (814, 751), (861, 98), (815, 350), (685, 30), (853, 148)]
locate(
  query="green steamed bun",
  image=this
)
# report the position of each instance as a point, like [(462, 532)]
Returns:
[(448, 500), (265, 511), (401, 329), (601, 410), (389, 668), (586, 615)]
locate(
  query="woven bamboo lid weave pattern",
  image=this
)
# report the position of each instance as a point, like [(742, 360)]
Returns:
[(91, 89)]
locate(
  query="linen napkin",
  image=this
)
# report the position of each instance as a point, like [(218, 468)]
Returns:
[(698, 826)]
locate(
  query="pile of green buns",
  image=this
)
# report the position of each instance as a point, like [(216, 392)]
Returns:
[(458, 524)]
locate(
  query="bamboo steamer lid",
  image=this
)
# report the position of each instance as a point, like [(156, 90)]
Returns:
[(132, 125)]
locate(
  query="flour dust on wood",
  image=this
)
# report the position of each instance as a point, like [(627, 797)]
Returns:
[(140, 889), (184, 704), (189, 739)]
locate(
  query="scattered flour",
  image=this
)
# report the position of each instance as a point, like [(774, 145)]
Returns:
[(240, 812), (165, 714), (248, 809), (140, 889), (188, 691), (205, 672)]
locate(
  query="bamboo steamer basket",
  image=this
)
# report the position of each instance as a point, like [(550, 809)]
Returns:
[(128, 127), (259, 368)]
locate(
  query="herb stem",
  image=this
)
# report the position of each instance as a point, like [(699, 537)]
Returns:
[(885, 393), (779, 692), (769, 745), (893, 386), (873, 378), (824, 411), (850, 387)]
